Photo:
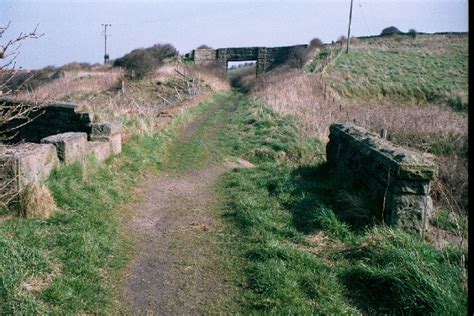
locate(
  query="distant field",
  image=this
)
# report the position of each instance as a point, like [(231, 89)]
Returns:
[(430, 69)]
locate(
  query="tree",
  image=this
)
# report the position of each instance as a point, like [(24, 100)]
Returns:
[(391, 30), (204, 46), (14, 115), (315, 43), (141, 62), (297, 57), (341, 39), (412, 33)]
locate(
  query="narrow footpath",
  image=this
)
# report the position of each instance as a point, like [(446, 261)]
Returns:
[(178, 269)]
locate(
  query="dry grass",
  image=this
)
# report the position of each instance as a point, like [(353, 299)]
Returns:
[(292, 93), (76, 82), (105, 92), (36, 201)]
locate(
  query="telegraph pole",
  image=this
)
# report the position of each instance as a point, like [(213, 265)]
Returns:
[(106, 56), (349, 29)]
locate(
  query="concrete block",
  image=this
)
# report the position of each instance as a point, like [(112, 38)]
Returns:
[(106, 128), (28, 162), (100, 150), (115, 142), (70, 146)]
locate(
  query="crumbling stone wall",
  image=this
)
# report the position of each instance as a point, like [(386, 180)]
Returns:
[(398, 178), (31, 162), (53, 119), (204, 56)]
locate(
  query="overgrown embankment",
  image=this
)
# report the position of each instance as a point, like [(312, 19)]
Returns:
[(306, 247), (415, 89)]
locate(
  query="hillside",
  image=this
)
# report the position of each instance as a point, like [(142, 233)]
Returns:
[(426, 69)]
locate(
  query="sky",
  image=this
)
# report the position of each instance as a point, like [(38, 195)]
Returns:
[(73, 32)]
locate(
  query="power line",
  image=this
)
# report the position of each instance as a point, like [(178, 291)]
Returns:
[(365, 20), (106, 56)]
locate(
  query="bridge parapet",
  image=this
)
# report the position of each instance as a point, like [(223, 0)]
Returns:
[(267, 58), (397, 179)]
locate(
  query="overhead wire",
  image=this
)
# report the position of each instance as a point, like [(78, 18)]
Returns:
[(363, 18)]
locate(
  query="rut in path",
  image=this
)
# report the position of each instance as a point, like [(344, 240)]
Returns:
[(178, 269)]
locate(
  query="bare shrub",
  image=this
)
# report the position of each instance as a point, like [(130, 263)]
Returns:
[(341, 40), (14, 111), (141, 62)]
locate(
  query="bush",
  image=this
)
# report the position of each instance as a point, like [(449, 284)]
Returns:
[(297, 57), (341, 40), (391, 30), (204, 46), (412, 33), (315, 42), (140, 62)]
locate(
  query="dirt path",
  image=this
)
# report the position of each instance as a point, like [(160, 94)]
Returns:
[(178, 269)]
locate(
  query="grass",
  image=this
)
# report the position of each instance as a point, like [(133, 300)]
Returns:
[(322, 58), (404, 73), (302, 254), (72, 263)]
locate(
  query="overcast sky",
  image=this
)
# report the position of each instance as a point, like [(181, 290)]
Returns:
[(73, 32)]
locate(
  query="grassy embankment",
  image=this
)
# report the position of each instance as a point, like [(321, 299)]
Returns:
[(422, 70), (414, 88), (72, 262), (299, 256)]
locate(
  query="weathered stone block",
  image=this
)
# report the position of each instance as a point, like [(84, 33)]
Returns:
[(106, 128), (115, 142), (70, 147), (28, 162), (398, 176), (409, 211), (100, 150)]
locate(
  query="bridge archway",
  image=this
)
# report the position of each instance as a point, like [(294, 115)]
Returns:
[(266, 58)]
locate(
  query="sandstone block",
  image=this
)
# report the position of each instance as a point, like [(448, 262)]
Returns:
[(100, 150), (106, 128), (398, 176), (70, 146), (409, 211), (115, 142), (28, 162)]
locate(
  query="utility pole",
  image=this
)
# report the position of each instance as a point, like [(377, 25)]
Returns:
[(106, 56), (349, 29)]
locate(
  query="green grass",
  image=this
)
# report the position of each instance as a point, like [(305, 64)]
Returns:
[(72, 263), (322, 58), (275, 211), (404, 73)]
